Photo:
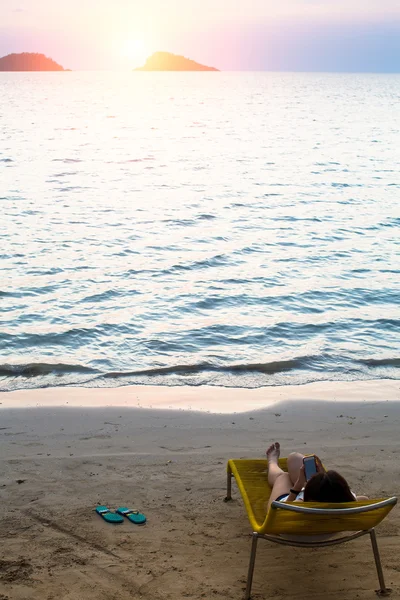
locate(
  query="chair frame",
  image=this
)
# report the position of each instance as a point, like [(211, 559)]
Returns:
[(382, 591)]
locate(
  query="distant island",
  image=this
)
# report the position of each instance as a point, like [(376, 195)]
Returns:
[(166, 61), (28, 61)]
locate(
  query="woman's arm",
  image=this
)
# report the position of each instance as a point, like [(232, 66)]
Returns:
[(298, 486)]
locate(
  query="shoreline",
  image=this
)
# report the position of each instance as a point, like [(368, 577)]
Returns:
[(211, 399)]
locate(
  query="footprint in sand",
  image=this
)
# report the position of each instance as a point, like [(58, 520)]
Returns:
[(15, 570)]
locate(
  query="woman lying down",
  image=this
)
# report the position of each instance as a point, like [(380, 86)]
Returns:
[(303, 483)]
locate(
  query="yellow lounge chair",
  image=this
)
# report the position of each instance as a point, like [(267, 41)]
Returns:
[(286, 521)]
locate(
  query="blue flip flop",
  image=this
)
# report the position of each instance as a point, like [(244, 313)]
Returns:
[(108, 516), (133, 515)]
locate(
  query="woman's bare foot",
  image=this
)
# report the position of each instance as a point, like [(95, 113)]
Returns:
[(274, 452)]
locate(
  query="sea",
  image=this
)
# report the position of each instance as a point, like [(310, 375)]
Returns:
[(224, 229)]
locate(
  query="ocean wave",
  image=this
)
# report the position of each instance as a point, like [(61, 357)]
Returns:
[(41, 369), (272, 367), (76, 335), (214, 261), (380, 362), (30, 291), (107, 295)]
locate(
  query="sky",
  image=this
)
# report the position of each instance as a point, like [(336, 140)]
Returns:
[(288, 35)]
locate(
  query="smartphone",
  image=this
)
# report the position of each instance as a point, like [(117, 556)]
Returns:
[(310, 466)]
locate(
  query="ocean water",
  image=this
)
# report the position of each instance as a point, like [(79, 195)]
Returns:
[(231, 229)]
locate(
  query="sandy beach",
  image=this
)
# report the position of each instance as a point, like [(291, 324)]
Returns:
[(66, 450)]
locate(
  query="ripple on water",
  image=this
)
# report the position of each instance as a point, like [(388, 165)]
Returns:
[(146, 255)]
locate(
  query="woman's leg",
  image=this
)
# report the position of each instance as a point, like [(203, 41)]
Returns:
[(277, 479), (294, 463), (274, 470)]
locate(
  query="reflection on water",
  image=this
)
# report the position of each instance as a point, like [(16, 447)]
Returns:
[(228, 229)]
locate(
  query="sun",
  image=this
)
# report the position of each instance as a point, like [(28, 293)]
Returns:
[(135, 50)]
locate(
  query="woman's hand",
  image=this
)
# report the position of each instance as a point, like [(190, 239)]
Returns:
[(301, 481)]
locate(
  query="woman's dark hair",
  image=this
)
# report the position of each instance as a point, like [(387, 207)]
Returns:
[(327, 487)]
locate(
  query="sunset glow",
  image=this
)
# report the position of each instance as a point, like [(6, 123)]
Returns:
[(135, 50), (294, 35)]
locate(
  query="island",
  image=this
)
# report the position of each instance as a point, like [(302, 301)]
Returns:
[(28, 61), (166, 61)]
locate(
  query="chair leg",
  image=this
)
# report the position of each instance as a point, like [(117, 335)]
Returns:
[(228, 486), (251, 566), (383, 591)]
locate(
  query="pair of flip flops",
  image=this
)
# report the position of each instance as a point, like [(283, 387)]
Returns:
[(134, 516)]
